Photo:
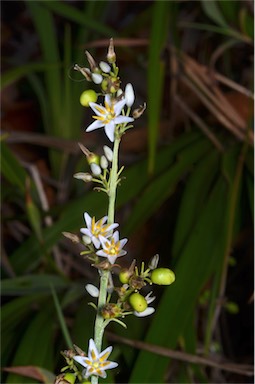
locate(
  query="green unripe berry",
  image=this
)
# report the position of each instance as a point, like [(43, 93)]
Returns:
[(162, 276), (87, 97), (138, 302), (124, 276), (70, 378)]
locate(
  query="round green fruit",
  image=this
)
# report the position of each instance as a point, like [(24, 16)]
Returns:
[(87, 97), (162, 276), (138, 302), (124, 276), (70, 378)]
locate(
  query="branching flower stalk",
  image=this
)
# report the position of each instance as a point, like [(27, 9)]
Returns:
[(100, 238)]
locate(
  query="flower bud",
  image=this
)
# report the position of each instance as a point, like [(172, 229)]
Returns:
[(105, 67), (129, 95), (69, 378), (138, 302), (103, 162), (86, 239), (162, 276), (108, 153), (91, 61), (87, 97), (111, 56), (92, 290), (95, 169), (86, 177), (97, 78), (110, 85)]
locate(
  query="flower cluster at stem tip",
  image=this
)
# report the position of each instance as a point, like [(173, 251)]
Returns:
[(130, 293)]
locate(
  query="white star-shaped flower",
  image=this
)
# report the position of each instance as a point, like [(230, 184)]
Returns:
[(95, 229), (108, 116), (96, 363), (112, 247)]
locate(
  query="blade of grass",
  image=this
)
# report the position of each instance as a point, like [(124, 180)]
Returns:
[(36, 346), (79, 17), (61, 318), (212, 10), (160, 19), (15, 74), (196, 263), (11, 168), (163, 185), (197, 188)]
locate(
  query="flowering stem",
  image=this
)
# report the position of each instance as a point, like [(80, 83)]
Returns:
[(99, 323)]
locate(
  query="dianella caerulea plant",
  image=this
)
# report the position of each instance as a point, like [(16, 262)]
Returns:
[(101, 238)]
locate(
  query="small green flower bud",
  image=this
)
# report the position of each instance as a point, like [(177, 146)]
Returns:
[(138, 302), (124, 276), (70, 378), (92, 158), (87, 97), (162, 276)]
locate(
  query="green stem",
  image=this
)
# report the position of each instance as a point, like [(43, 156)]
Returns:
[(99, 323)]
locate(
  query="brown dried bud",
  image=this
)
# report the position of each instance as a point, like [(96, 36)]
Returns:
[(139, 111), (111, 311), (104, 265), (136, 282), (74, 238), (111, 56), (69, 353), (84, 71), (92, 63)]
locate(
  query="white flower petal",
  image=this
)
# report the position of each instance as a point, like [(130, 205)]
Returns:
[(88, 219), (80, 360), (119, 106), (109, 130), (107, 351), (92, 290), (92, 346), (147, 312), (101, 253), (96, 242), (150, 299), (123, 119), (96, 108), (86, 231), (123, 242), (95, 125)]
